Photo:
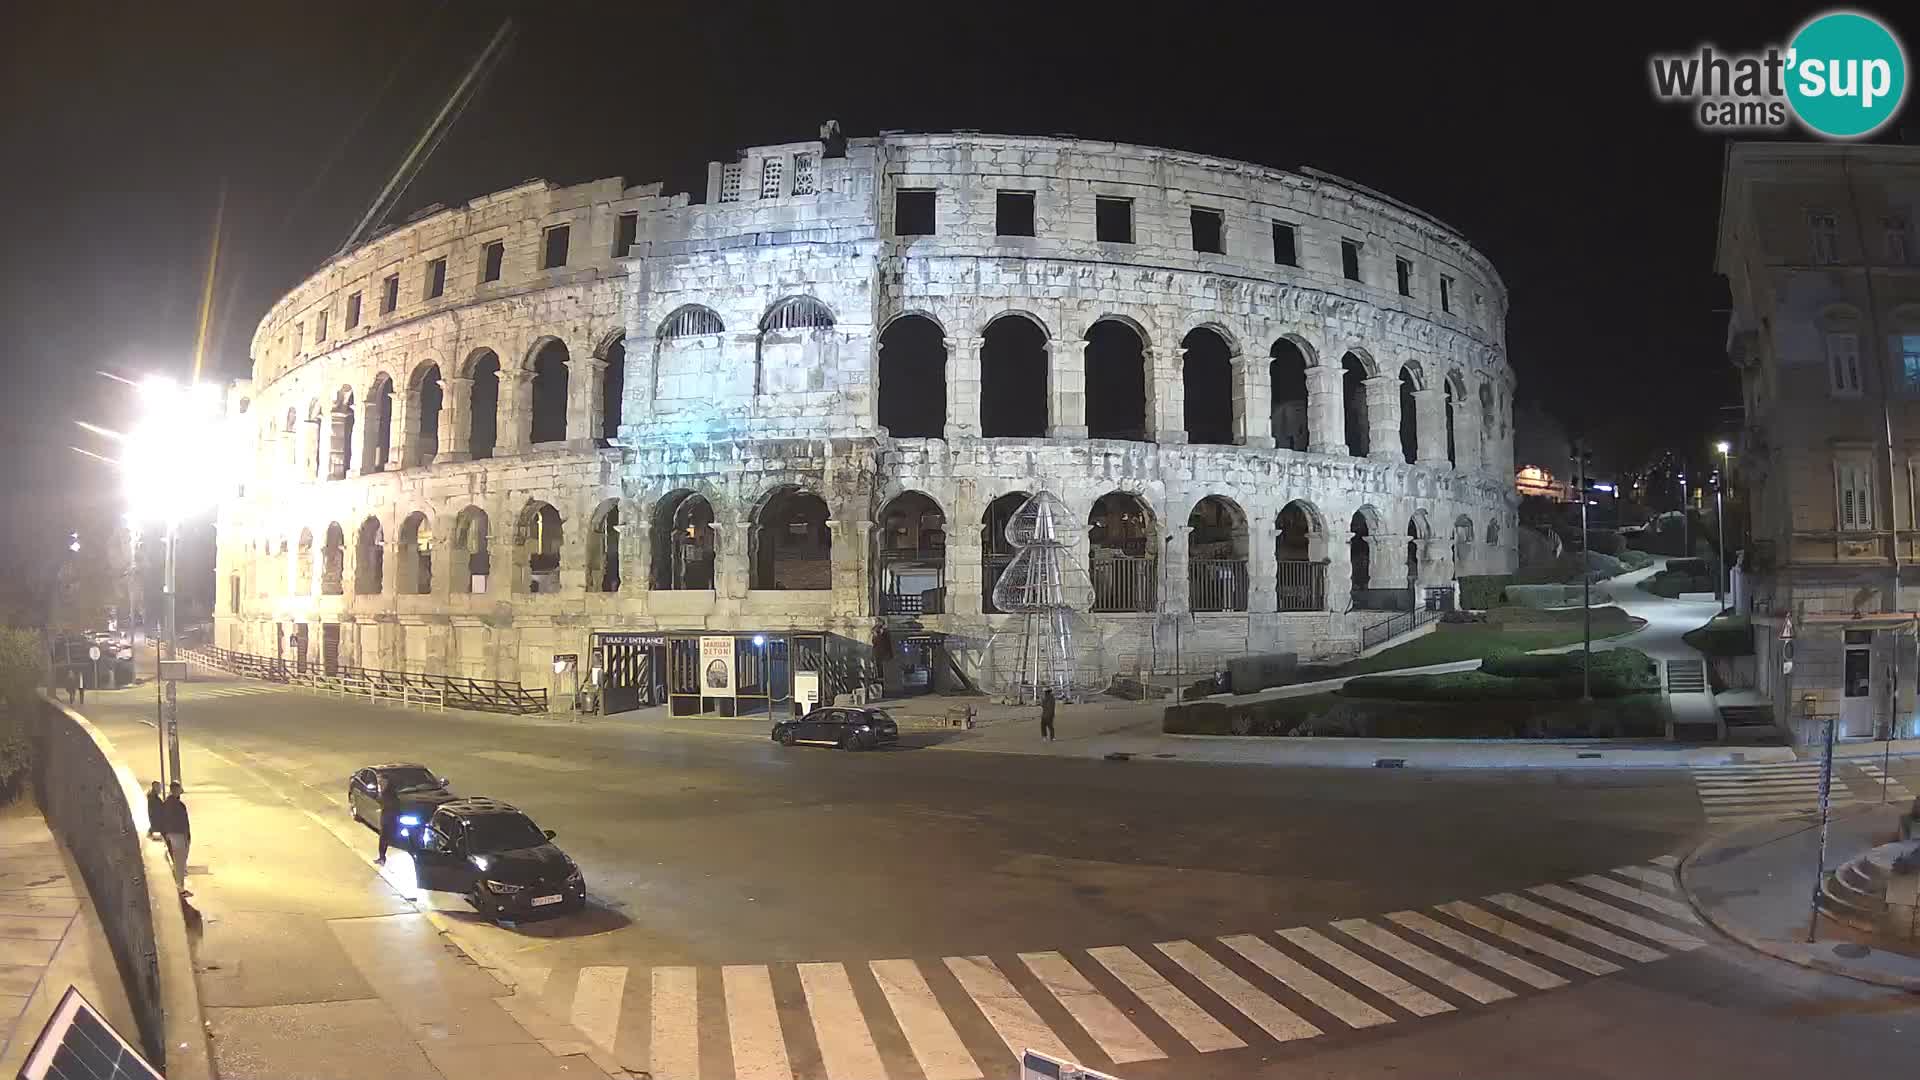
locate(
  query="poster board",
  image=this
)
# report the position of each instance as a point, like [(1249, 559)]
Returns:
[(806, 691), (716, 666)]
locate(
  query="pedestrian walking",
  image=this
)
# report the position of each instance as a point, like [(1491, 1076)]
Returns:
[(72, 684), (389, 819), (178, 831), (1046, 714), (156, 809)]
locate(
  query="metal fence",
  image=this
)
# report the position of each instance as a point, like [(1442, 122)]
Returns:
[(1393, 626), (1123, 583), (1217, 585), (375, 684), (1301, 585), (1383, 600)]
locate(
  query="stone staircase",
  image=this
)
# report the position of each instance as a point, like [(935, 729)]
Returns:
[(1751, 725), (1686, 677), (1856, 894)]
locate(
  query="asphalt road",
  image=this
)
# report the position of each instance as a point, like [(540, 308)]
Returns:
[(726, 850)]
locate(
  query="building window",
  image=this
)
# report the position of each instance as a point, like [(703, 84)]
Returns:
[(1446, 293), (492, 257), (320, 326), (730, 183), (1824, 236), (629, 231), (771, 170), (1403, 276), (1013, 213), (553, 246), (1899, 252), (299, 336), (1350, 259), (1910, 362), (233, 593), (1284, 252), (353, 310), (803, 174), (1843, 364), (436, 277), (1208, 225), (913, 212), (390, 294), (1856, 496), (1113, 220)]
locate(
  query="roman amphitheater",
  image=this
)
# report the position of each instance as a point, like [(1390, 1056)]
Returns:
[(599, 426)]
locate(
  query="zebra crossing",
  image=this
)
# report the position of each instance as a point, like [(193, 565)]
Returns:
[(191, 692), (1752, 794), (970, 1017)]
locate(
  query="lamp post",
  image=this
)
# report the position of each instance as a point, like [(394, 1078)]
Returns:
[(1582, 461), (1720, 515)]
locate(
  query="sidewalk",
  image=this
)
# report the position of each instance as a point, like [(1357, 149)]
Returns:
[(310, 963), (50, 938), (1756, 886)]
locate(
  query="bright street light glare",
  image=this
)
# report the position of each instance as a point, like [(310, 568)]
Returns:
[(174, 461), (1723, 446)]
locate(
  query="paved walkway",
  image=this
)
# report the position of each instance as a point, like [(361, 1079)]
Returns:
[(50, 938), (1667, 620)]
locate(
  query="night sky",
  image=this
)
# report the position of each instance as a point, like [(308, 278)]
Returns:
[(1543, 145)]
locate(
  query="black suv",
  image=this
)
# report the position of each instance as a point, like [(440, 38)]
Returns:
[(846, 728), (499, 859), (418, 790)]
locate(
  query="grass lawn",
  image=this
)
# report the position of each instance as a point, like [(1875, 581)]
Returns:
[(1507, 628), (1334, 714)]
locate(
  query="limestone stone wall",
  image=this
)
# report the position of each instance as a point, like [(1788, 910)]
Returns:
[(732, 352)]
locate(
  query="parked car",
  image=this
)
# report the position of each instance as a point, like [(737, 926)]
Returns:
[(418, 789), (506, 866), (846, 728)]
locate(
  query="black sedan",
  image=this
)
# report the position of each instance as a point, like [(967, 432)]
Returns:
[(418, 790), (846, 728), (494, 855)]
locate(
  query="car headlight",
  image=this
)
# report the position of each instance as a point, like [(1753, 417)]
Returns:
[(409, 819), (502, 887), (866, 727), (576, 877), (479, 862)]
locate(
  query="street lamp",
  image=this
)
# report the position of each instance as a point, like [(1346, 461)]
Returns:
[(1720, 514), (1582, 462)]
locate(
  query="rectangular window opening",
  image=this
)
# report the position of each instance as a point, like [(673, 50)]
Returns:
[(553, 247), (1856, 496), (492, 260), (320, 327), (1208, 226), (913, 212), (1824, 236), (1403, 276), (436, 277), (1843, 364), (1113, 220), (1284, 252), (629, 232), (1899, 249), (390, 294), (353, 310), (1013, 213), (1446, 293), (1910, 363), (1350, 259)]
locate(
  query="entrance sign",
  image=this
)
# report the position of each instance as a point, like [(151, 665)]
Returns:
[(806, 690), (716, 666)]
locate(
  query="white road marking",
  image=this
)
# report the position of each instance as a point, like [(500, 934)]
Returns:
[(753, 1024), (1274, 1018), (1119, 1039), (1573, 927), (1659, 878), (1367, 973), (846, 1046), (531, 982), (674, 1052), (1673, 909), (1501, 926), (1193, 1023), (1474, 949), (1306, 982), (1668, 861), (929, 1033), (1483, 990), (596, 1003), (1018, 1025), (1625, 920)]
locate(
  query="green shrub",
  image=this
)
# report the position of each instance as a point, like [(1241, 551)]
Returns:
[(1669, 584), (1635, 560), (1452, 686), (1605, 542), (1479, 592), (1690, 567), (1198, 718), (1725, 635)]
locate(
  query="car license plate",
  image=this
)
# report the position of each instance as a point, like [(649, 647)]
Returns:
[(543, 901)]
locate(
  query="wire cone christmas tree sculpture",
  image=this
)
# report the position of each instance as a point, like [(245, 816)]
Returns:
[(1053, 646)]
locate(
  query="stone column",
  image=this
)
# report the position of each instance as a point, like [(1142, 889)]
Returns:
[(1326, 411), (636, 556), (1166, 396), (1179, 587), (456, 420), (1339, 571), (965, 566), (1388, 569), (732, 573), (585, 393), (963, 387), (1067, 389), (514, 413), (1383, 418), (1263, 592), (638, 387), (1252, 403), (1466, 433), (1430, 426), (402, 441), (852, 587)]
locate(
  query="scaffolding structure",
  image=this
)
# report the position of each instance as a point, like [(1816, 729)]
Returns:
[(1053, 646)]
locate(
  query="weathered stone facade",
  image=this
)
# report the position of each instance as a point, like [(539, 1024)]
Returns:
[(746, 340)]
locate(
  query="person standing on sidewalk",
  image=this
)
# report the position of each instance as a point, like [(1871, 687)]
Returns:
[(178, 831), (1046, 714), (389, 819), (156, 809)]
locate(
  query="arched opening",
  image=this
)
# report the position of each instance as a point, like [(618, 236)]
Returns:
[(1206, 377), (1493, 532), (472, 562), (370, 559), (1124, 555), (340, 446), (687, 357), (1353, 394), (428, 397), (549, 410), (303, 564), (996, 551), (537, 549), (379, 425), (1300, 558), (318, 421), (1409, 418), (613, 388), (1116, 382), (484, 370), (1487, 420), (1414, 537), (603, 549), (333, 561), (1217, 549), (291, 435), (796, 342), (1462, 544), (792, 545), (911, 565), (1287, 380), (913, 378), (415, 564), (1360, 553), (683, 542), (1013, 379), (1453, 455)]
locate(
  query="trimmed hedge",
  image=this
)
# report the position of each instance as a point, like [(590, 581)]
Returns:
[(1670, 585), (1725, 635), (1635, 560), (1638, 715), (1478, 592), (1616, 672), (1452, 686)]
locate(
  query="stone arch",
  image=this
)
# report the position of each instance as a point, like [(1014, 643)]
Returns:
[(996, 551), (1454, 394), (1300, 557), (1365, 530), (1419, 532), (1355, 370), (613, 386), (289, 434), (379, 425), (427, 396), (1218, 546), (1123, 553), (603, 547), (303, 564), (1488, 416), (340, 442), (537, 538), (483, 367), (796, 338), (547, 411), (472, 557), (1287, 364), (912, 374), (1493, 531), (1116, 379), (796, 313), (910, 556), (690, 320), (792, 544), (1014, 371), (370, 558), (413, 566), (1410, 386), (333, 561), (1206, 375), (1463, 537), (683, 541)]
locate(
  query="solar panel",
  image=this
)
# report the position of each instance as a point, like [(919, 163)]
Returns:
[(79, 1044)]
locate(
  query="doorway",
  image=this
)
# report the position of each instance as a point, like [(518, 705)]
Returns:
[(1859, 697), (633, 670), (330, 648)]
